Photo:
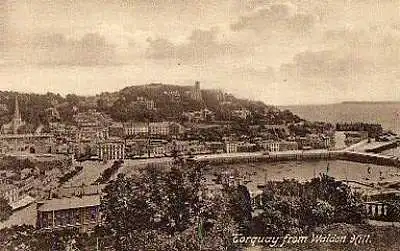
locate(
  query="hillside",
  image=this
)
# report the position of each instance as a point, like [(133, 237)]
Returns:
[(157, 102)]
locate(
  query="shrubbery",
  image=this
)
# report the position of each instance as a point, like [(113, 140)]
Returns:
[(108, 173), (291, 207), (5, 209), (66, 177)]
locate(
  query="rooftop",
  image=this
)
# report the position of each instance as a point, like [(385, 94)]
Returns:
[(68, 203)]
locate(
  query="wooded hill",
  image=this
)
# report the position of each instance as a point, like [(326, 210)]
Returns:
[(132, 103)]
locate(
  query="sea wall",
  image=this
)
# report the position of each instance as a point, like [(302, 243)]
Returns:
[(221, 159), (271, 157)]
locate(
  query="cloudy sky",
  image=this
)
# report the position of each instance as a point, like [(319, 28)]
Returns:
[(277, 51)]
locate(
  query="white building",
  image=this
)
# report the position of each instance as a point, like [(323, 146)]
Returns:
[(231, 147), (270, 145), (112, 149), (133, 129)]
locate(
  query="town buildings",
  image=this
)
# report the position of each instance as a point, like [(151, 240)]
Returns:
[(149, 104), (92, 124), (41, 143), (270, 145), (277, 146), (153, 129), (95, 136), (13, 141), (136, 129), (241, 113), (203, 115), (160, 129), (10, 192)]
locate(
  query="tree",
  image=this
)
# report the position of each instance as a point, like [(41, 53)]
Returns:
[(238, 199), (166, 210), (5, 209)]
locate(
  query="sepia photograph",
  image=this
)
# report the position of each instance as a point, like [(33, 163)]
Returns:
[(199, 125)]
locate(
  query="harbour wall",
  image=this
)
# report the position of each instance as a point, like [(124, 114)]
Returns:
[(370, 158), (222, 159)]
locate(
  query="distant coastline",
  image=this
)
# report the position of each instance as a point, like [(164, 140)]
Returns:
[(382, 112), (387, 102), (370, 102)]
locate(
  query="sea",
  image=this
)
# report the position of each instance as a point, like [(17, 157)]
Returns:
[(385, 113), (259, 173)]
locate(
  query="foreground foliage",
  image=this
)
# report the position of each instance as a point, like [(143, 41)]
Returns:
[(290, 207), (175, 209), (167, 210)]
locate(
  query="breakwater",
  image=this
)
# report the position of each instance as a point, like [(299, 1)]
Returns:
[(370, 158), (383, 147), (239, 158)]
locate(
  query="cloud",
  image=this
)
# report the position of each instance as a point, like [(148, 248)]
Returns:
[(354, 59), (379, 45), (200, 46), (56, 49), (4, 23), (329, 64), (277, 18)]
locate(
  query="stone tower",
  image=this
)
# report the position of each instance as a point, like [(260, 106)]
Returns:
[(196, 93)]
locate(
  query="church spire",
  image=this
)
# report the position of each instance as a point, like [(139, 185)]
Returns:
[(17, 120)]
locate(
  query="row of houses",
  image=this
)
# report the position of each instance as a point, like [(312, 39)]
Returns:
[(206, 115), (153, 129), (120, 149)]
